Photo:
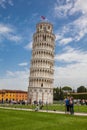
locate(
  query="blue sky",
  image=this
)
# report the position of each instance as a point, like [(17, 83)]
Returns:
[(18, 19)]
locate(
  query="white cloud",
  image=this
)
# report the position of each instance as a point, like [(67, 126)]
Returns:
[(80, 27), (71, 75), (8, 32), (72, 55), (5, 29), (58, 36), (9, 73), (14, 38), (18, 74), (75, 72), (28, 46), (10, 2), (15, 80), (79, 5), (61, 9), (23, 64), (3, 3), (65, 41), (77, 29), (69, 7)]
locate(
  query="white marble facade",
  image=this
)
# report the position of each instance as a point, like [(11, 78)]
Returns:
[(42, 64)]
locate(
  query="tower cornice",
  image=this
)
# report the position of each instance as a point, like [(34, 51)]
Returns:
[(44, 23)]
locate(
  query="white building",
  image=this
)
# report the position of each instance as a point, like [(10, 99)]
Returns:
[(42, 64)]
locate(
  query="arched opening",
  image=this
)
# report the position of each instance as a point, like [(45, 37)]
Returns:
[(41, 84)]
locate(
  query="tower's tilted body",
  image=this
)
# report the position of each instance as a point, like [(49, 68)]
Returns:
[(42, 64)]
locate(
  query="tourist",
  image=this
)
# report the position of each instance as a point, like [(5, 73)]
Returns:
[(67, 105), (37, 108), (71, 104)]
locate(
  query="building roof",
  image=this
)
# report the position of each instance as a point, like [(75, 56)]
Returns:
[(13, 91)]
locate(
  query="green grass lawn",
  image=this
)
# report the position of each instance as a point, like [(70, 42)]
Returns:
[(59, 107), (25, 120)]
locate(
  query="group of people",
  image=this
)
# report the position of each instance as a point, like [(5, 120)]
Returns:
[(69, 105)]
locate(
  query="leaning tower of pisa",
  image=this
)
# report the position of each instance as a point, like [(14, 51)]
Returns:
[(42, 64)]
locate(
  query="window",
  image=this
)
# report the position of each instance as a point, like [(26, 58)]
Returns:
[(42, 85), (44, 38), (40, 26), (48, 27)]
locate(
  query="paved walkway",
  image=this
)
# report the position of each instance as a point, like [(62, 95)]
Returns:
[(49, 111)]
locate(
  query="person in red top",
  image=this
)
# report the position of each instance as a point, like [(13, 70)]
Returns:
[(71, 104)]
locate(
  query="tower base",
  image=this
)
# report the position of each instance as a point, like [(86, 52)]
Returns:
[(40, 95)]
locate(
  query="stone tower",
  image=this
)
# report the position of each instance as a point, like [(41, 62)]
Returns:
[(42, 64)]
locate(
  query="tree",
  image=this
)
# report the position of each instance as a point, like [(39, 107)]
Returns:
[(61, 94), (58, 94), (81, 89), (67, 89)]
